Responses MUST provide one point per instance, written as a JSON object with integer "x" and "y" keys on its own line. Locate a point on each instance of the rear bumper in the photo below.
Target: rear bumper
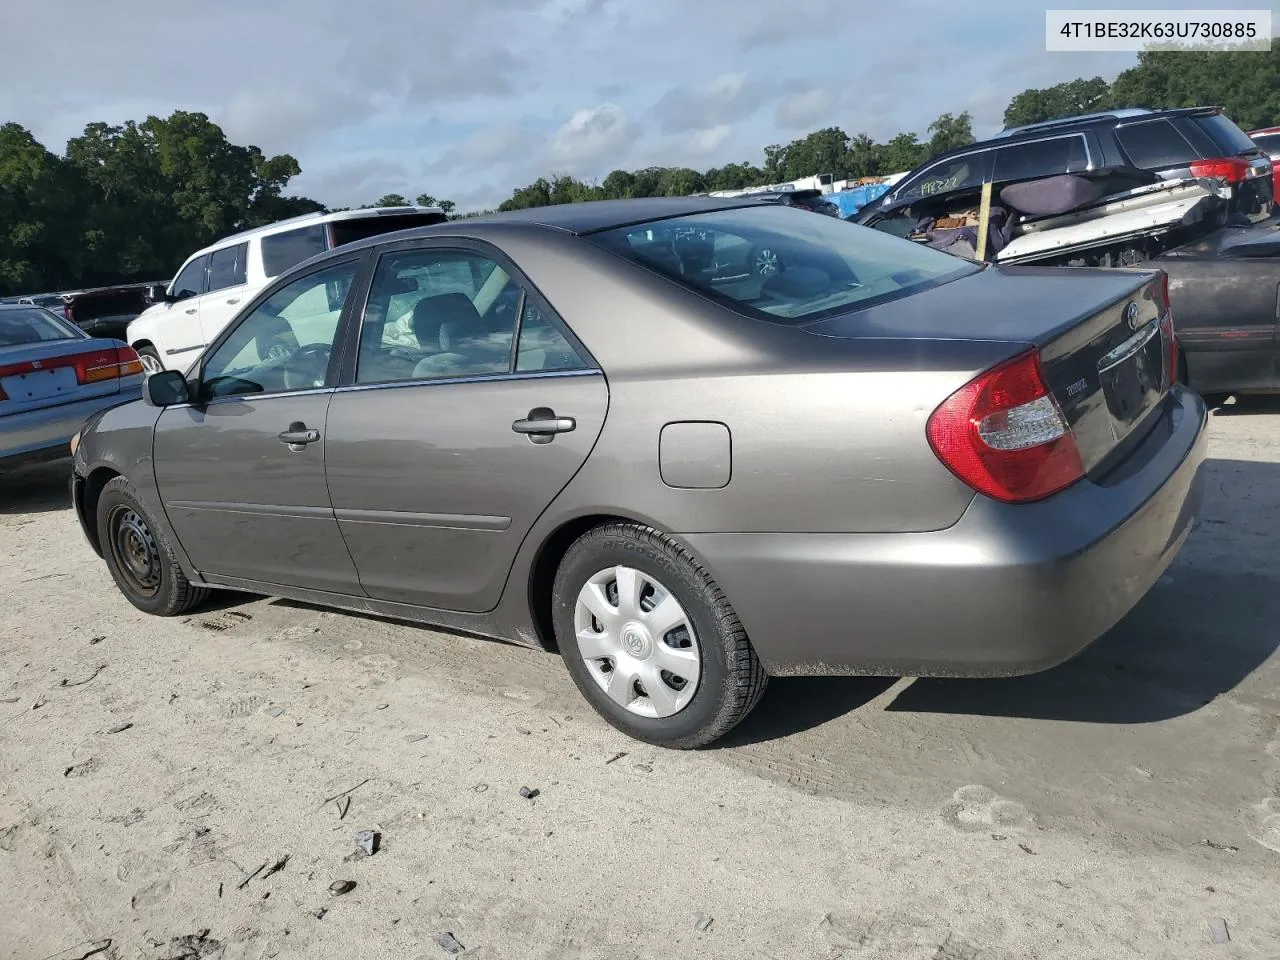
{"x": 45, "y": 433}
{"x": 1007, "y": 590}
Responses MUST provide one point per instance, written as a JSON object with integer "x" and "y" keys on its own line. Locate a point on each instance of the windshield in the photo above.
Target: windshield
{"x": 18, "y": 327}
{"x": 783, "y": 264}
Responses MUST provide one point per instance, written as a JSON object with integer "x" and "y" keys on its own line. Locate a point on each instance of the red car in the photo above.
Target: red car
{"x": 1268, "y": 138}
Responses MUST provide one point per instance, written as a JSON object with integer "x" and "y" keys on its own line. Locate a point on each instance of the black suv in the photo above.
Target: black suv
{"x": 1172, "y": 144}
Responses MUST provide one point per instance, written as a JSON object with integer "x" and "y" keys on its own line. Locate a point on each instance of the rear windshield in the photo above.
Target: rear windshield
{"x": 783, "y": 264}
{"x": 280, "y": 251}
{"x": 1230, "y": 138}
{"x": 18, "y": 327}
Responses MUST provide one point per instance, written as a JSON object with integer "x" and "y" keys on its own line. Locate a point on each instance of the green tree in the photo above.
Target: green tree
{"x": 903, "y": 152}
{"x": 1245, "y": 84}
{"x": 948, "y": 132}
{"x": 394, "y": 200}
{"x": 1062, "y": 100}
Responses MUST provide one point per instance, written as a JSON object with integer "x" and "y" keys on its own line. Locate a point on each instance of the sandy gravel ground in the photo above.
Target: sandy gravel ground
{"x": 1126, "y": 805}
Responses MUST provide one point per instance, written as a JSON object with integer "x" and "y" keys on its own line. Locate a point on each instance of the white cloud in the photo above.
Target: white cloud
{"x": 487, "y": 147}
{"x": 592, "y": 136}
{"x": 803, "y": 111}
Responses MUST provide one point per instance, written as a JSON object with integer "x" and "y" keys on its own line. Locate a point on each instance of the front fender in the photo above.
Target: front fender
{"x": 120, "y": 443}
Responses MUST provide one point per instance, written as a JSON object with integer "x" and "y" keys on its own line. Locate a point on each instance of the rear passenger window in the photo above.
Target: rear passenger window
{"x": 227, "y": 268}
{"x": 280, "y": 251}
{"x": 543, "y": 346}
{"x": 1155, "y": 144}
{"x": 437, "y": 314}
{"x": 1041, "y": 158}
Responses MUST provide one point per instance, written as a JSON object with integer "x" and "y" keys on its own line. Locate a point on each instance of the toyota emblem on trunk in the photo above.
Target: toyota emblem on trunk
{"x": 1131, "y": 315}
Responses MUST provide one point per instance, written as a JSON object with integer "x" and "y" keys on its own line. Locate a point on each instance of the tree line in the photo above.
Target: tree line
{"x": 130, "y": 202}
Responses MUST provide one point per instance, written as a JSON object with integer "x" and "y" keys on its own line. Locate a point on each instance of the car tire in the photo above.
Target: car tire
{"x": 709, "y": 639}
{"x": 150, "y": 359}
{"x": 139, "y": 555}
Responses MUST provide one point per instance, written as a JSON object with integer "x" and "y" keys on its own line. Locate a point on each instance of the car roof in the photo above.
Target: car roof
{"x": 574, "y": 219}
{"x": 1067, "y": 125}
{"x": 593, "y": 216}
{"x": 319, "y": 217}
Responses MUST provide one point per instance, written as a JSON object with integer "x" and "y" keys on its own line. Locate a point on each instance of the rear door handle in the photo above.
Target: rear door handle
{"x": 298, "y": 436}
{"x": 192, "y": 310}
{"x": 234, "y": 300}
{"x": 542, "y": 425}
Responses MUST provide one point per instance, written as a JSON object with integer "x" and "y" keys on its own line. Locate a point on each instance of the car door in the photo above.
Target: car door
{"x": 241, "y": 469}
{"x": 183, "y": 337}
{"x": 226, "y": 289}
{"x": 458, "y": 425}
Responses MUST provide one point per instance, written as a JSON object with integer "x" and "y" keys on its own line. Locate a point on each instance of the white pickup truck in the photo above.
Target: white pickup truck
{"x": 215, "y": 283}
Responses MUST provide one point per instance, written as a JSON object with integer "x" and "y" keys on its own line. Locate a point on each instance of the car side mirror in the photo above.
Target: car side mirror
{"x": 166, "y": 388}
{"x": 157, "y": 293}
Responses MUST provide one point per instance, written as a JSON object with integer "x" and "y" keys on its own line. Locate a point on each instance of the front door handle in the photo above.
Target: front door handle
{"x": 542, "y": 425}
{"x": 298, "y": 436}
{"x": 234, "y": 300}
{"x": 189, "y": 312}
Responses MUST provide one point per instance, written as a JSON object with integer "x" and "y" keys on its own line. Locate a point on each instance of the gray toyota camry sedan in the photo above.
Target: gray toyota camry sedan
{"x": 604, "y": 429}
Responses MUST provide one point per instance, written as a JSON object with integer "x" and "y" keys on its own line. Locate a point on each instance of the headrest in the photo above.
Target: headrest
{"x": 440, "y": 321}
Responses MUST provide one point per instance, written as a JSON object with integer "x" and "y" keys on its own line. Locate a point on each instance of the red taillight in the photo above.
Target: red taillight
{"x": 66, "y": 312}
{"x": 1230, "y": 169}
{"x": 1004, "y": 434}
{"x": 109, "y": 363}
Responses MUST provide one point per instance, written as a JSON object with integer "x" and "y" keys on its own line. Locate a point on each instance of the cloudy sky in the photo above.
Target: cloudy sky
{"x": 467, "y": 99}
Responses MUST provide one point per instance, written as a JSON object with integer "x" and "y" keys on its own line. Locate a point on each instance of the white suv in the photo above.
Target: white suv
{"x": 216, "y": 282}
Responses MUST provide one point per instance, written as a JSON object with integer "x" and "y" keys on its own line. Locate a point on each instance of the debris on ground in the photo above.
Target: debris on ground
{"x": 617, "y": 756}
{"x": 366, "y": 845}
{"x": 80, "y": 683}
{"x": 344, "y": 793}
{"x": 9, "y": 699}
{"x": 194, "y": 946}
{"x": 277, "y": 866}
{"x": 343, "y": 805}
{"x": 704, "y": 923}
{"x": 275, "y": 711}
{"x": 644, "y": 768}
{"x": 383, "y": 706}
{"x": 998, "y": 836}
{"x": 1218, "y": 930}
{"x": 415, "y": 738}
{"x": 120, "y": 728}
{"x": 1224, "y": 847}
{"x": 339, "y": 887}
{"x": 319, "y": 912}
{"x": 529, "y": 794}
{"x": 39, "y": 702}
{"x": 245, "y": 882}
{"x": 480, "y": 787}
{"x": 1025, "y": 849}
{"x": 77, "y": 769}
{"x": 449, "y": 943}
{"x": 524, "y": 730}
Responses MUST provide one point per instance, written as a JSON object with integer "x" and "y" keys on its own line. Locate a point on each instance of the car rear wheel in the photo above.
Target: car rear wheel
{"x": 139, "y": 556}
{"x": 150, "y": 360}
{"x": 651, "y": 640}
{"x": 765, "y": 262}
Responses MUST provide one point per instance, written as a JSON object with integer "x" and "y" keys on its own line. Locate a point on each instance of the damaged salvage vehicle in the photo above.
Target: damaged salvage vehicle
{"x": 1185, "y": 191}
{"x": 574, "y": 429}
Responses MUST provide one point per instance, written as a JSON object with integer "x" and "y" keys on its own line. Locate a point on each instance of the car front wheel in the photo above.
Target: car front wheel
{"x": 139, "y": 556}
{"x": 150, "y": 360}
{"x": 650, "y": 639}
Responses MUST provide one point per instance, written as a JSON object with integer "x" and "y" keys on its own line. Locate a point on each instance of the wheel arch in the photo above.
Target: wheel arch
{"x": 546, "y": 561}
{"x": 91, "y": 492}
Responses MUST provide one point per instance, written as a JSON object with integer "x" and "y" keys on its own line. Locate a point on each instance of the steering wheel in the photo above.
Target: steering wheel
{"x": 306, "y": 367}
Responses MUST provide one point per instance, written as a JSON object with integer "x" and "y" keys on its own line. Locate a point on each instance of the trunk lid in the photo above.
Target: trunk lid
{"x": 38, "y": 375}
{"x": 1103, "y": 335}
